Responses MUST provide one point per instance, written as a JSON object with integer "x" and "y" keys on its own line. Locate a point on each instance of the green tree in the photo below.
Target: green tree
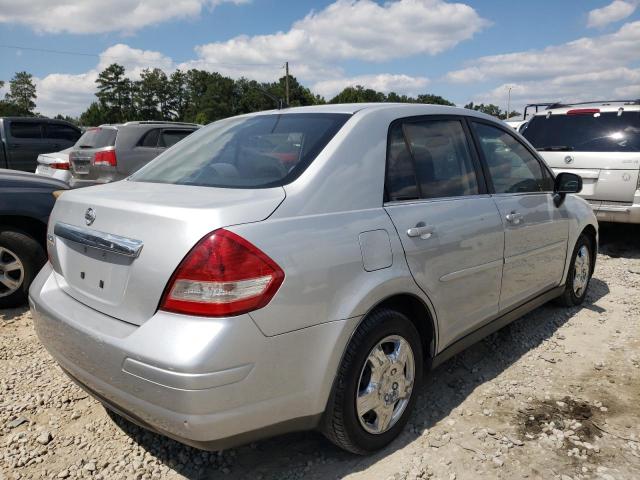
{"x": 433, "y": 99}
{"x": 178, "y": 95}
{"x": 93, "y": 116}
{"x": 490, "y": 109}
{"x": 22, "y": 93}
{"x": 114, "y": 93}
{"x": 358, "y": 94}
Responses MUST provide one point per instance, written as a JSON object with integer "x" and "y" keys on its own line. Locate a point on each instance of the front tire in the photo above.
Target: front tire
{"x": 21, "y": 258}
{"x": 376, "y": 386}
{"x": 579, "y": 275}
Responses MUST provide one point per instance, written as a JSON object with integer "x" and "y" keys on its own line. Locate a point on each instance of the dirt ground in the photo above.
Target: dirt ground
{"x": 555, "y": 395}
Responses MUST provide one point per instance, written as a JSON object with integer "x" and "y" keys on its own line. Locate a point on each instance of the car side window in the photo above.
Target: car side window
{"x": 150, "y": 139}
{"x": 512, "y": 167}
{"x": 26, "y": 130}
{"x": 170, "y": 137}
{"x": 444, "y": 167}
{"x": 400, "y": 183}
{"x": 62, "y": 132}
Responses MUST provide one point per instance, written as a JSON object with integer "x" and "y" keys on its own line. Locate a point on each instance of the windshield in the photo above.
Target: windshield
{"x": 248, "y": 152}
{"x": 97, "y": 138}
{"x": 600, "y": 132}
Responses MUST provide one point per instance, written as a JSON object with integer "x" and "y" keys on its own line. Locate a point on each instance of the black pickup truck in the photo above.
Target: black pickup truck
{"x": 22, "y": 139}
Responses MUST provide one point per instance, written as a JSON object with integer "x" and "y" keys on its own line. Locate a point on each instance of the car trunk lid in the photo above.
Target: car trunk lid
{"x": 90, "y": 226}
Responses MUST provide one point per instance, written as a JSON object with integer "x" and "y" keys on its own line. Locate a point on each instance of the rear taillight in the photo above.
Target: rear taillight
{"x": 60, "y": 165}
{"x": 106, "y": 158}
{"x": 223, "y": 275}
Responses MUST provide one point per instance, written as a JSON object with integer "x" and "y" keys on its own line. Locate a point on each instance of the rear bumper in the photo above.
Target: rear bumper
{"x": 617, "y": 212}
{"x": 210, "y": 383}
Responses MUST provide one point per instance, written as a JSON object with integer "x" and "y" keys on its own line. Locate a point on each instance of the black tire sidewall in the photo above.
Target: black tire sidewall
{"x": 32, "y": 257}
{"x": 390, "y": 323}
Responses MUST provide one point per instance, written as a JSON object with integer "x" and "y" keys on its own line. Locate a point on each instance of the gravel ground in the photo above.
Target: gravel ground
{"x": 554, "y": 395}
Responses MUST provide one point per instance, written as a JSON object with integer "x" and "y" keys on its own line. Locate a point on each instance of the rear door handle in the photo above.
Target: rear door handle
{"x": 422, "y": 231}
{"x": 514, "y": 217}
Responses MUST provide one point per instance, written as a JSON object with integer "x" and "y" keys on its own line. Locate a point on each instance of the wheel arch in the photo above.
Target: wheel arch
{"x": 591, "y": 233}
{"x": 29, "y": 225}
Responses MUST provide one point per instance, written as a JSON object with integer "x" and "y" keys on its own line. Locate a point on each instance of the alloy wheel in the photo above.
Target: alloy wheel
{"x": 581, "y": 271}
{"x": 385, "y": 385}
{"x": 11, "y": 272}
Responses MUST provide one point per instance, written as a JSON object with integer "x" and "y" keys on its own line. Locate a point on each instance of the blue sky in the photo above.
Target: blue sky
{"x": 470, "y": 50}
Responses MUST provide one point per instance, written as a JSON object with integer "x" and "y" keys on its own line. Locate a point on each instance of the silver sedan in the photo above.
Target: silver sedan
{"x": 303, "y": 268}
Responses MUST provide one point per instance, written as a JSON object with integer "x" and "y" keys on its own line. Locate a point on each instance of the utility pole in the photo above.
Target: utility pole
{"x": 286, "y": 82}
{"x": 509, "y": 103}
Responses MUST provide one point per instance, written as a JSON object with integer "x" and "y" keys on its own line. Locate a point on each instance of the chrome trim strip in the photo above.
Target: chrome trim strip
{"x": 108, "y": 242}
{"x": 612, "y": 208}
{"x": 471, "y": 270}
{"x": 546, "y": 248}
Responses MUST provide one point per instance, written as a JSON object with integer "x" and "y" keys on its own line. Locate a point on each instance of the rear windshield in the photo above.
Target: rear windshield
{"x": 251, "y": 152}
{"x": 97, "y": 138}
{"x": 600, "y": 132}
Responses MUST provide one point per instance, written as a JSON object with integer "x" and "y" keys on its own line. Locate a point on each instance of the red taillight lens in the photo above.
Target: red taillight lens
{"x": 106, "y": 158}
{"x": 60, "y": 165}
{"x": 583, "y": 111}
{"x": 223, "y": 275}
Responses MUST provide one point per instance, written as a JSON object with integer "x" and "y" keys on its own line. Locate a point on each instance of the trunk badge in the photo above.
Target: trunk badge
{"x": 568, "y": 159}
{"x": 89, "y": 216}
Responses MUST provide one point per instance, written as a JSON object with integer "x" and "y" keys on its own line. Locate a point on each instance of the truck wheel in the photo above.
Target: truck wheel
{"x": 376, "y": 385}
{"x": 21, "y": 258}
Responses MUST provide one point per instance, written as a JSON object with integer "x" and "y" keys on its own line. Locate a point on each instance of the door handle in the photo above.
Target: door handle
{"x": 422, "y": 231}
{"x": 514, "y": 217}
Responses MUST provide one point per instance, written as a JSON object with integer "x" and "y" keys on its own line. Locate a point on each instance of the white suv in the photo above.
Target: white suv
{"x": 600, "y": 141}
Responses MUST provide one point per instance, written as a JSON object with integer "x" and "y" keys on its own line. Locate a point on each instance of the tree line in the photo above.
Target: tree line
{"x": 196, "y": 96}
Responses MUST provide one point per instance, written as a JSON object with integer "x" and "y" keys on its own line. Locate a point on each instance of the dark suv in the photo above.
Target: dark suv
{"x": 112, "y": 152}
{"x": 22, "y": 139}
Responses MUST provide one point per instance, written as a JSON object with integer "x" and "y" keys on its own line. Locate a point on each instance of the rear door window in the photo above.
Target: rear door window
{"x": 62, "y": 132}
{"x": 593, "y": 132}
{"x": 429, "y": 159}
{"x": 97, "y": 138}
{"x": 26, "y": 130}
{"x": 168, "y": 138}
{"x": 512, "y": 167}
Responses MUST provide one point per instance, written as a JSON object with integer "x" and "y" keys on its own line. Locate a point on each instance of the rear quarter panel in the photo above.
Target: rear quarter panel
{"x": 325, "y": 279}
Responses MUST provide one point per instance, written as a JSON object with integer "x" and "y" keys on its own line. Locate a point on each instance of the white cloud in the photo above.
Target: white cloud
{"x": 133, "y": 59}
{"x": 604, "y": 85}
{"x": 99, "y": 16}
{"x": 315, "y": 45}
{"x": 584, "y": 69}
{"x": 614, "y": 12}
{"x": 582, "y": 55}
{"x": 71, "y": 94}
{"x": 345, "y": 30}
{"x": 384, "y": 82}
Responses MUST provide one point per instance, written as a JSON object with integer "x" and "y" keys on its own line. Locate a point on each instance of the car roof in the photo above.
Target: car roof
{"x": 603, "y": 106}
{"x": 402, "y": 109}
{"x": 39, "y": 119}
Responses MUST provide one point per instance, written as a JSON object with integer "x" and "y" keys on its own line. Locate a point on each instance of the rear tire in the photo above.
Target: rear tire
{"x": 21, "y": 258}
{"x": 579, "y": 276}
{"x": 382, "y": 368}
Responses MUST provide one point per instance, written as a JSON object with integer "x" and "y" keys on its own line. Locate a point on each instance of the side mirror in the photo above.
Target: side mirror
{"x": 566, "y": 183}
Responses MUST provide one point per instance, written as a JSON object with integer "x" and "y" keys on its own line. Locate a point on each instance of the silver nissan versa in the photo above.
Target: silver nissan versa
{"x": 302, "y": 268}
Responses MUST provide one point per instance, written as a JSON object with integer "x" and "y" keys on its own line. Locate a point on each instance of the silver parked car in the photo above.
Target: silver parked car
{"x": 301, "y": 268}
{"x": 112, "y": 152}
